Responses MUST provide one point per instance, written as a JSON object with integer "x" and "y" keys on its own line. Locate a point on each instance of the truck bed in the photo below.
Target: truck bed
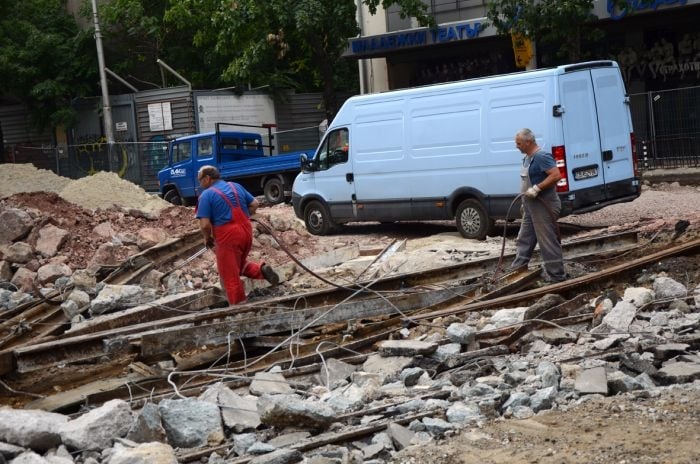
{"x": 260, "y": 165}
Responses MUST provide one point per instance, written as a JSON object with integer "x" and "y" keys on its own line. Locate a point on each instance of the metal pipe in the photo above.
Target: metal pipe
{"x": 114, "y": 75}
{"x": 163, "y": 65}
{"x": 106, "y": 109}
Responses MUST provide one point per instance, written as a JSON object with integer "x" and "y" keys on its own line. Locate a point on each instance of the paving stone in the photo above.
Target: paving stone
{"x": 680, "y": 372}
{"x": 591, "y": 381}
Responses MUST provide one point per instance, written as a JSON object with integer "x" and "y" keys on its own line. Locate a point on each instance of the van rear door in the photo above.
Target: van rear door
{"x": 582, "y": 137}
{"x": 615, "y": 129}
{"x": 597, "y": 127}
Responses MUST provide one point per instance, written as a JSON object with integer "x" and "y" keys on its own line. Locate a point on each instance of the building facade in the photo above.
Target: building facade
{"x": 657, "y": 45}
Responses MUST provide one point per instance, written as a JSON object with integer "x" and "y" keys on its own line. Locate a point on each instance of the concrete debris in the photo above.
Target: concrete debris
{"x": 98, "y": 428}
{"x": 270, "y": 383}
{"x": 290, "y": 410}
{"x": 38, "y": 430}
{"x": 190, "y": 423}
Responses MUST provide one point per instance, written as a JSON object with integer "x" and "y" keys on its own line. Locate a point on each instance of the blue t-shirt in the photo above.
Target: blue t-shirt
{"x": 540, "y": 162}
{"x": 211, "y": 205}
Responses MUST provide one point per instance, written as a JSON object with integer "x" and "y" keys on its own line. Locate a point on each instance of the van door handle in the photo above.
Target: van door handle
{"x": 350, "y": 177}
{"x": 607, "y": 155}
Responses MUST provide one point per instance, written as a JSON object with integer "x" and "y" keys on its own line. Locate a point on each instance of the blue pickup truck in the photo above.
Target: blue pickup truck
{"x": 240, "y": 157}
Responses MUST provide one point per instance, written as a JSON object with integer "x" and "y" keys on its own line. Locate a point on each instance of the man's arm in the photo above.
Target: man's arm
{"x": 553, "y": 176}
{"x": 253, "y": 206}
{"x": 207, "y": 232}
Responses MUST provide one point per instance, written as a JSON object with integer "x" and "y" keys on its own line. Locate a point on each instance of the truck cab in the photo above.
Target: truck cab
{"x": 239, "y": 156}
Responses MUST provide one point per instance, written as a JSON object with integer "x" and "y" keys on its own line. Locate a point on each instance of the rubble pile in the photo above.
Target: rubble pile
{"x": 433, "y": 381}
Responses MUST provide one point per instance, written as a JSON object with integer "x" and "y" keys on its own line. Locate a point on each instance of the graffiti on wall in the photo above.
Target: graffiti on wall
{"x": 663, "y": 60}
{"x": 91, "y": 154}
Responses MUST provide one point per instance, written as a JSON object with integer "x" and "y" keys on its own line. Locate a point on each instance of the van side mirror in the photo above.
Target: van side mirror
{"x": 306, "y": 163}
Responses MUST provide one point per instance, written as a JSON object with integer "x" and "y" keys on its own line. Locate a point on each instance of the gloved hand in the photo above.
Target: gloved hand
{"x": 533, "y": 191}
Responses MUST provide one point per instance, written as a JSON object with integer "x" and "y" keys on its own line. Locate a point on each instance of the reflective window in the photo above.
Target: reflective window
{"x": 334, "y": 149}
{"x": 182, "y": 151}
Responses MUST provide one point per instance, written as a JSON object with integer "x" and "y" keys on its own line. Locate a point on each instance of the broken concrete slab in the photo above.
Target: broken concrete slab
{"x": 592, "y": 381}
{"x": 272, "y": 383}
{"x": 190, "y": 423}
{"x": 389, "y": 368}
{"x": 282, "y": 456}
{"x": 400, "y": 435}
{"x": 406, "y": 348}
{"x": 290, "y": 410}
{"x": 334, "y": 373}
{"x": 97, "y": 429}
{"x": 238, "y": 412}
{"x": 679, "y": 372}
{"x": 147, "y": 427}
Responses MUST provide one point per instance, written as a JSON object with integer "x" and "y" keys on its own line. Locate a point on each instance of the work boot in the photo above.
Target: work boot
{"x": 270, "y": 274}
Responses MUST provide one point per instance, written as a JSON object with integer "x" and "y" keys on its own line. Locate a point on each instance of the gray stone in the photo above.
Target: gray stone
{"x": 543, "y": 398}
{"x": 30, "y": 428}
{"x": 679, "y": 372}
{"x": 19, "y": 253}
{"x": 113, "y": 297}
{"x": 17, "y": 299}
{"x": 243, "y": 441}
{"x": 29, "y": 457}
{"x": 272, "y": 383}
{"x": 415, "y": 404}
{"x": 98, "y": 428}
{"x": 638, "y": 296}
{"x": 504, "y": 317}
{"x": 445, "y": 352}
{"x": 646, "y": 382}
{"x": 70, "y": 309}
{"x": 400, "y": 435}
{"x": 384, "y": 439}
{"x": 238, "y": 412}
{"x": 389, "y": 368}
{"x": 406, "y": 348}
{"x": 288, "y": 439}
{"x": 555, "y": 335}
{"x": 516, "y": 398}
{"x": 549, "y": 373}
{"x": 522, "y": 412}
{"x": 461, "y": 413}
{"x": 16, "y": 224}
{"x": 48, "y": 273}
{"x": 619, "y": 382}
{"x": 50, "y": 240}
{"x": 145, "y": 453}
{"x": 372, "y": 451}
{"x": 190, "y": 423}
{"x": 437, "y": 427}
{"x": 147, "y": 427}
{"x": 665, "y": 287}
{"x": 477, "y": 390}
{"x": 260, "y": 448}
{"x": 669, "y": 350}
{"x": 618, "y": 319}
{"x": 410, "y": 376}
{"x": 334, "y": 373}
{"x": 290, "y": 410}
{"x": 282, "y": 456}
{"x": 5, "y": 270}
{"x": 609, "y": 342}
{"x": 591, "y": 381}
{"x": 79, "y": 297}
{"x": 9, "y": 451}
{"x": 84, "y": 280}
{"x": 461, "y": 333}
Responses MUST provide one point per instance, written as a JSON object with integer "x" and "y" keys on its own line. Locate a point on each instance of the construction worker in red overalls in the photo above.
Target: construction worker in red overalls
{"x": 223, "y": 210}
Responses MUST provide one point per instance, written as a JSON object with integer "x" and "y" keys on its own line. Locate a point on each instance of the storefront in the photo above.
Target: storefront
{"x": 657, "y": 46}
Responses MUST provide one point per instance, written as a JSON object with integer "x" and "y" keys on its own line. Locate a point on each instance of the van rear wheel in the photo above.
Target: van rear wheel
{"x": 274, "y": 191}
{"x": 472, "y": 220}
{"x": 317, "y": 218}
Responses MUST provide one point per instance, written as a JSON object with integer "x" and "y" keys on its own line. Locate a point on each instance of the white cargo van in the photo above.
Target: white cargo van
{"x": 447, "y": 151}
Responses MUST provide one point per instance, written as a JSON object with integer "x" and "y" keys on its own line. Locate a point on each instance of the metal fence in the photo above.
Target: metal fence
{"x": 667, "y": 128}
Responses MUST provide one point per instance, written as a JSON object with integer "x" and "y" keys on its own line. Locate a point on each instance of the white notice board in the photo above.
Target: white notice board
{"x": 245, "y": 109}
{"x": 160, "y": 117}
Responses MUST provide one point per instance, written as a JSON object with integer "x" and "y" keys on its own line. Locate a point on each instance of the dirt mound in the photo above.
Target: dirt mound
{"x": 18, "y": 178}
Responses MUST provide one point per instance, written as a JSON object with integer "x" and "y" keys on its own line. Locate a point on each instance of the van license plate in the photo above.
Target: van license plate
{"x": 585, "y": 173}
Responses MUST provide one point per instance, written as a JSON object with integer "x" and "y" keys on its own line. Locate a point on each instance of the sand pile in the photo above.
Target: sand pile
{"x": 101, "y": 190}
{"x": 18, "y": 178}
{"x": 106, "y": 189}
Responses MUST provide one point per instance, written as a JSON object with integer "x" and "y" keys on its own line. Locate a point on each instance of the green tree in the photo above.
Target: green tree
{"x": 45, "y": 60}
{"x": 281, "y": 43}
{"x": 563, "y": 23}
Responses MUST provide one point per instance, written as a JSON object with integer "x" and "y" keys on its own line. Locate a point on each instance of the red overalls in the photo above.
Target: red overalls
{"x": 233, "y": 242}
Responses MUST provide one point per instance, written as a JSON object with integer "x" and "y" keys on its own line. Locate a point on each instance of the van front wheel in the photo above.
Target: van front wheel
{"x": 317, "y": 218}
{"x": 472, "y": 220}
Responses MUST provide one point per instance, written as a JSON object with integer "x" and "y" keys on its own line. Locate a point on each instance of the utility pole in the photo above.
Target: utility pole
{"x": 106, "y": 109}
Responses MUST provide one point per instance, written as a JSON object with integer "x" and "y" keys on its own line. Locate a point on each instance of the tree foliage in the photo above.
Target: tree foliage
{"x": 563, "y": 23}
{"x": 45, "y": 59}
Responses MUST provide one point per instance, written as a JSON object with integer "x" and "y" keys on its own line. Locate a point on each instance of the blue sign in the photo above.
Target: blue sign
{"x": 420, "y": 37}
{"x": 619, "y": 12}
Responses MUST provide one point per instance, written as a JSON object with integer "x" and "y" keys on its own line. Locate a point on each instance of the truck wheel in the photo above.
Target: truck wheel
{"x": 171, "y": 196}
{"x": 472, "y": 220}
{"x": 274, "y": 191}
{"x": 317, "y": 218}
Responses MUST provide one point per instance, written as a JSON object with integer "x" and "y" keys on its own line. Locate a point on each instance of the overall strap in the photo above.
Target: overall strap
{"x": 222, "y": 195}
